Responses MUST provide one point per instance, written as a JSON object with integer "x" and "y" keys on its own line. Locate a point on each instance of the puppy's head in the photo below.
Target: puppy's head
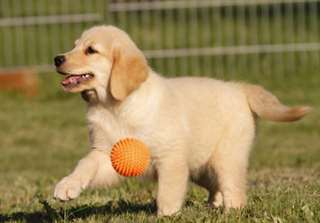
{"x": 104, "y": 59}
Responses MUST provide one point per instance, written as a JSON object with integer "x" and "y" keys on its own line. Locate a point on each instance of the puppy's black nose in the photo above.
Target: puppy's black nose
{"x": 59, "y": 60}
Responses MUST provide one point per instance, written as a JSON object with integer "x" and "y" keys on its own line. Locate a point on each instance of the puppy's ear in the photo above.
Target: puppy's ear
{"x": 129, "y": 70}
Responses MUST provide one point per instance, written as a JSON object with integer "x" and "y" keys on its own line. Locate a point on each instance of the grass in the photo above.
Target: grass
{"x": 42, "y": 139}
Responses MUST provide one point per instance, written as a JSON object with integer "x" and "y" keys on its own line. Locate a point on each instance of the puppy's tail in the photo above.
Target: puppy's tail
{"x": 266, "y": 105}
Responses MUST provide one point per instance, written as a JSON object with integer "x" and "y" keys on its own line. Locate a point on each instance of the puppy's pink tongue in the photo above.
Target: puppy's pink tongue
{"x": 65, "y": 81}
{"x": 71, "y": 80}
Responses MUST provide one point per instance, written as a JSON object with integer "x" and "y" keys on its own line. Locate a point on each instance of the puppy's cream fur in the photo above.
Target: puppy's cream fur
{"x": 197, "y": 129}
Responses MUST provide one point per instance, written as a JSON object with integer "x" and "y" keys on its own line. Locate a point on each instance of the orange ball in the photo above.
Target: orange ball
{"x": 130, "y": 157}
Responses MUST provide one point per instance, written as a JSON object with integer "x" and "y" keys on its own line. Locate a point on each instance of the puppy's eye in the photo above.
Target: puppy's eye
{"x": 90, "y": 50}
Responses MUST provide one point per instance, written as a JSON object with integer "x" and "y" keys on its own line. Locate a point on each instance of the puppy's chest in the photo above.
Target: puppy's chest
{"x": 106, "y": 128}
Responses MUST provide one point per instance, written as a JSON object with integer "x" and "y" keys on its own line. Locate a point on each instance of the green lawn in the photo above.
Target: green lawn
{"x": 41, "y": 139}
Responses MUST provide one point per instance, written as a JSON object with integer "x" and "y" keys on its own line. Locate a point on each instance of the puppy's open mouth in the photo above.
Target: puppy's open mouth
{"x": 73, "y": 80}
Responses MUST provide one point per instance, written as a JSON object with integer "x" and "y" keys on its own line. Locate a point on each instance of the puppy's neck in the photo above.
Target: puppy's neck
{"x": 90, "y": 96}
{"x": 99, "y": 97}
{"x": 143, "y": 100}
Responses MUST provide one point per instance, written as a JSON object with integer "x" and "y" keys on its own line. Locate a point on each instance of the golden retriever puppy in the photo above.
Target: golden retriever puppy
{"x": 197, "y": 129}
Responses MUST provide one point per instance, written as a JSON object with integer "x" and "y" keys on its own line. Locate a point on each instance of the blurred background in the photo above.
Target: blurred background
{"x": 180, "y": 37}
{"x": 275, "y": 43}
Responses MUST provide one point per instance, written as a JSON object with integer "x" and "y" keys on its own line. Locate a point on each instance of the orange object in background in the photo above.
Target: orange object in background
{"x": 130, "y": 157}
{"x": 22, "y": 80}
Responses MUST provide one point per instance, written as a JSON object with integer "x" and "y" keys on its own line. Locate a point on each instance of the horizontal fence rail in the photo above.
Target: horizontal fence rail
{"x": 179, "y": 37}
{"x": 183, "y": 4}
{"x": 48, "y": 20}
{"x": 234, "y": 50}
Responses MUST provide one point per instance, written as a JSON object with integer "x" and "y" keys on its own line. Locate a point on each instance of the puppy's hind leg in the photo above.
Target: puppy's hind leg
{"x": 208, "y": 180}
{"x": 215, "y": 198}
{"x": 230, "y": 161}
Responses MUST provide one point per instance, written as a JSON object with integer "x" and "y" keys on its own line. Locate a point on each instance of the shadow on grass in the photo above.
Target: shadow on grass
{"x": 49, "y": 214}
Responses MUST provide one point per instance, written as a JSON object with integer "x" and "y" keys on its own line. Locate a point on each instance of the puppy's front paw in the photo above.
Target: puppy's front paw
{"x": 68, "y": 188}
{"x": 168, "y": 210}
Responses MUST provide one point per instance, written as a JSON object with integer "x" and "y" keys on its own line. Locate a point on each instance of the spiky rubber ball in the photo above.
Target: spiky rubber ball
{"x": 130, "y": 157}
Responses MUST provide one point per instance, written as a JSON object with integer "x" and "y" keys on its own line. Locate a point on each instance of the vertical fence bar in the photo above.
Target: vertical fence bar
{"x": 7, "y": 36}
{"x": 230, "y": 39}
{"x": 303, "y": 58}
{"x": 109, "y": 13}
{"x": 277, "y": 39}
{"x": 147, "y": 27}
{"x": 255, "y": 61}
{"x": 169, "y": 40}
{"x": 266, "y": 38}
{"x": 314, "y": 9}
{"x": 29, "y": 35}
{"x": 158, "y": 18}
{"x": 2, "y": 43}
{"x": 289, "y": 38}
{"x": 194, "y": 26}
{"x": 148, "y": 39}
{"x": 218, "y": 32}
{"x": 48, "y": 47}
{"x": 36, "y": 32}
{"x": 18, "y": 33}
{"x": 41, "y": 35}
{"x": 53, "y": 34}
{"x": 182, "y": 39}
{"x": 65, "y": 30}
{"x": 137, "y": 28}
{"x": 78, "y": 28}
{"x": 242, "y": 30}
{"x": 124, "y": 22}
{"x": 88, "y": 9}
{"x": 206, "y": 63}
